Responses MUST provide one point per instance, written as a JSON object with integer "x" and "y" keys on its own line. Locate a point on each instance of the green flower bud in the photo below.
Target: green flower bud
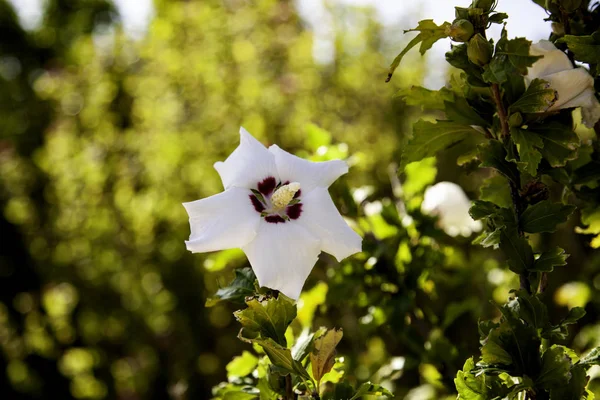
{"x": 461, "y": 12}
{"x": 515, "y": 119}
{"x": 479, "y": 50}
{"x": 461, "y": 30}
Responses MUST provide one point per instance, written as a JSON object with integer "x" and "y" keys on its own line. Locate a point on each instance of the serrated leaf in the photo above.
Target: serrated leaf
{"x": 371, "y": 389}
{"x": 585, "y": 48}
{"x": 429, "y": 33}
{"x": 560, "y": 142}
{"x": 279, "y": 355}
{"x": 591, "y": 358}
{"x": 429, "y": 138}
{"x": 544, "y": 216}
{"x": 481, "y": 387}
{"x": 528, "y": 145}
{"x": 538, "y": 98}
{"x": 493, "y": 155}
{"x": 267, "y": 318}
{"x": 459, "y": 110}
{"x": 550, "y": 259}
{"x": 511, "y": 58}
{"x": 492, "y": 352}
{"x": 556, "y": 368}
{"x": 322, "y": 357}
{"x": 427, "y": 99}
{"x": 237, "y": 290}
{"x": 482, "y": 209}
{"x": 517, "y": 250}
{"x": 497, "y": 18}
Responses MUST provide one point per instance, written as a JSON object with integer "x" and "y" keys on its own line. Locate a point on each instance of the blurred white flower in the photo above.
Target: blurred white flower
{"x": 575, "y": 86}
{"x": 277, "y": 209}
{"x": 450, "y": 204}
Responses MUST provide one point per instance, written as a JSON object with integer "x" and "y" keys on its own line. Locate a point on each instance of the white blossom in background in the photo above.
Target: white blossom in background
{"x": 450, "y": 204}
{"x": 277, "y": 209}
{"x": 575, "y": 86}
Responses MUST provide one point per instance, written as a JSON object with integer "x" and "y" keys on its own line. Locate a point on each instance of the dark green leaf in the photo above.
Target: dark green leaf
{"x": 538, "y": 98}
{"x": 429, "y": 138}
{"x": 267, "y": 318}
{"x": 429, "y": 33}
{"x": 493, "y": 155}
{"x": 560, "y": 142}
{"x": 497, "y": 18}
{"x": 544, "y": 216}
{"x": 482, "y": 209}
{"x": 487, "y": 239}
{"x": 575, "y": 388}
{"x": 585, "y": 48}
{"x": 517, "y": 51}
{"x": 517, "y": 250}
{"x": 528, "y": 145}
{"x": 461, "y": 112}
{"x": 427, "y": 99}
{"x": 574, "y": 315}
{"x": 556, "y": 368}
{"x": 241, "y": 287}
{"x": 371, "y": 389}
{"x": 481, "y": 387}
{"x": 530, "y": 309}
{"x": 550, "y": 259}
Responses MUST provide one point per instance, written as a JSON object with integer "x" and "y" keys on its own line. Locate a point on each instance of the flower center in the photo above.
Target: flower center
{"x": 284, "y": 195}
{"x": 277, "y": 202}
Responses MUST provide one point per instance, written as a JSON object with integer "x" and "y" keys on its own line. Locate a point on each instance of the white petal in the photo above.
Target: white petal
{"x": 309, "y": 174}
{"x": 591, "y": 112}
{"x": 321, "y": 217}
{"x": 249, "y": 164}
{"x": 569, "y": 85}
{"x": 449, "y": 202}
{"x": 282, "y": 256}
{"x": 224, "y": 221}
{"x": 554, "y": 60}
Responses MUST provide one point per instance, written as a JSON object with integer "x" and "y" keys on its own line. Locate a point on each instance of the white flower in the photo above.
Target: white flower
{"x": 277, "y": 209}
{"x": 575, "y": 86}
{"x": 448, "y": 201}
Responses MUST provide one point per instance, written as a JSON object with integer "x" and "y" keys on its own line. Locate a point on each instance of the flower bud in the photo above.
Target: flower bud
{"x": 515, "y": 119}
{"x": 461, "y": 30}
{"x": 479, "y": 50}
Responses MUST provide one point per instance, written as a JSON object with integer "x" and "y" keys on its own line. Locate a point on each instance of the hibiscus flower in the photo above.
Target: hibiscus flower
{"x": 277, "y": 209}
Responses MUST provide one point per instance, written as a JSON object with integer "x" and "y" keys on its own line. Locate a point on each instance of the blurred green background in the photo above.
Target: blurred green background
{"x": 103, "y": 136}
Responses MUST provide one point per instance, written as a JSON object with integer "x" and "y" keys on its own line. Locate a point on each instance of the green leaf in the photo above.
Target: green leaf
{"x": 591, "y": 358}
{"x": 544, "y": 216}
{"x": 429, "y": 138}
{"x": 550, "y": 259}
{"x": 575, "y": 388}
{"x": 585, "y": 48}
{"x": 511, "y": 58}
{"x": 493, "y": 155}
{"x": 242, "y": 365}
{"x": 497, "y": 18}
{"x": 482, "y": 209}
{"x": 429, "y": 33}
{"x": 530, "y": 309}
{"x": 487, "y": 239}
{"x": 461, "y": 112}
{"x": 538, "y": 98}
{"x": 371, "y": 389}
{"x": 574, "y": 315}
{"x": 241, "y": 287}
{"x": 427, "y": 99}
{"x": 279, "y": 355}
{"x": 267, "y": 318}
{"x": 528, "y": 145}
{"x": 496, "y": 190}
{"x": 492, "y": 351}
{"x": 517, "y": 250}
{"x": 560, "y": 142}
{"x": 303, "y": 345}
{"x": 322, "y": 357}
{"x": 556, "y": 368}
{"x": 481, "y": 387}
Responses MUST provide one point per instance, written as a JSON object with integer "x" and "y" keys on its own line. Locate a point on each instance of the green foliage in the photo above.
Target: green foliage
{"x": 538, "y": 98}
{"x": 429, "y": 33}
{"x": 237, "y": 290}
{"x": 544, "y": 216}
{"x": 585, "y": 48}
